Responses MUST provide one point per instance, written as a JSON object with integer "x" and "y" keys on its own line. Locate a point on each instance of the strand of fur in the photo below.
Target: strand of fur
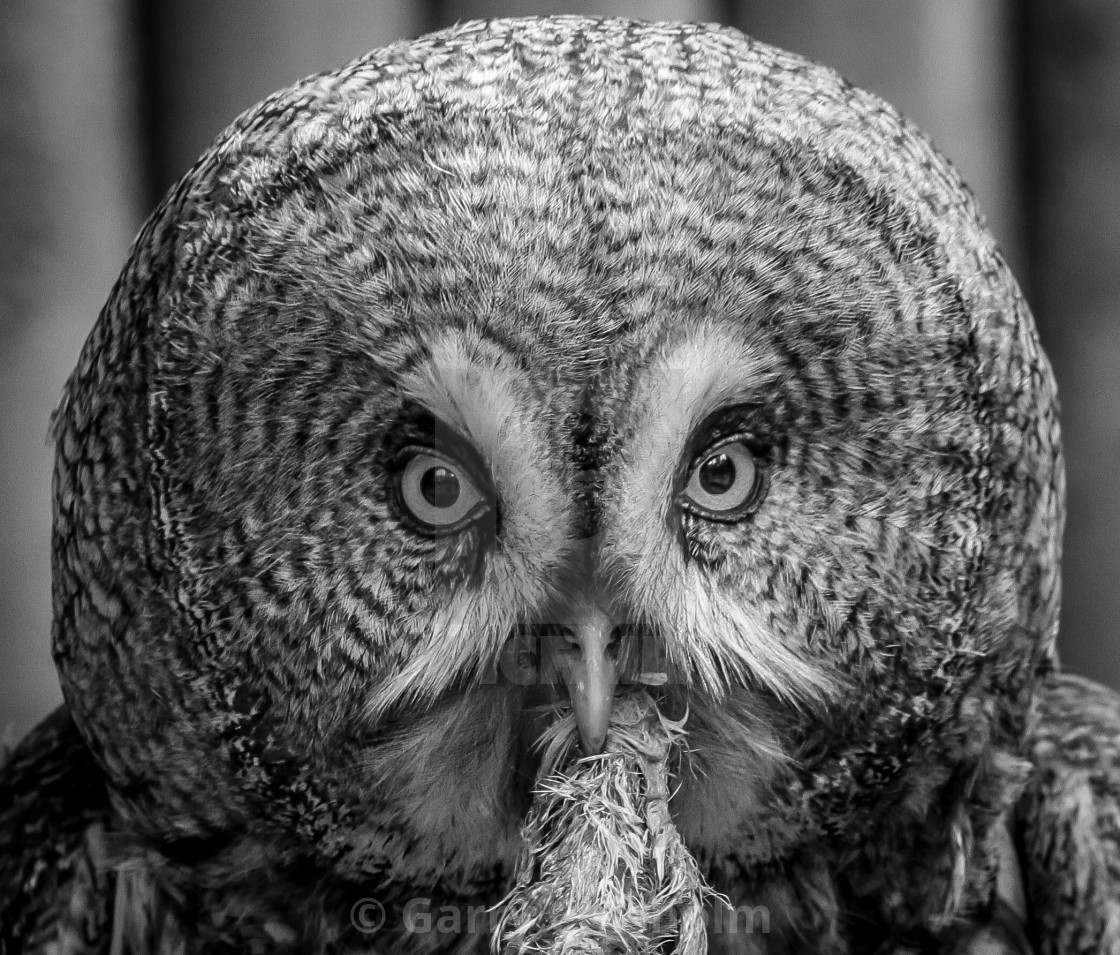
{"x": 603, "y": 868}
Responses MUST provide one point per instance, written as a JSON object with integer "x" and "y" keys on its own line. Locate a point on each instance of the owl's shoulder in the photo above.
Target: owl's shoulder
{"x": 54, "y": 884}
{"x": 1070, "y": 818}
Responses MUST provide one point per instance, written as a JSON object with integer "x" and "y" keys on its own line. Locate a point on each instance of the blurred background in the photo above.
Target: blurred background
{"x": 104, "y": 103}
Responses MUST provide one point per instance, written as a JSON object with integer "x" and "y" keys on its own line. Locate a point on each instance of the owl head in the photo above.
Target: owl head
{"x": 524, "y": 362}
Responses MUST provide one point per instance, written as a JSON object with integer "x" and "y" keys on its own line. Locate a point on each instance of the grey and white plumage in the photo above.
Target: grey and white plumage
{"x": 571, "y": 255}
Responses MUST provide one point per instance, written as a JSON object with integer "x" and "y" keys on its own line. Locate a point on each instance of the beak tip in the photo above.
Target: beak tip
{"x": 592, "y": 745}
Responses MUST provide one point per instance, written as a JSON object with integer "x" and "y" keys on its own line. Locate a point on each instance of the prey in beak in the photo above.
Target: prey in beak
{"x": 602, "y": 867}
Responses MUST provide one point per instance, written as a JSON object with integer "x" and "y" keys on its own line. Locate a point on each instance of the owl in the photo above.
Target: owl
{"x": 498, "y": 376}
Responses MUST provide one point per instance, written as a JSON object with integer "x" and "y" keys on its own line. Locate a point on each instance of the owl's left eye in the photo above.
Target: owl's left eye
{"x": 438, "y": 493}
{"x": 725, "y": 483}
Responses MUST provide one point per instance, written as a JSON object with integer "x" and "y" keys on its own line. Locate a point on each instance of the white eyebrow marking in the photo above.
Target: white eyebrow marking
{"x": 474, "y": 387}
{"x": 711, "y": 370}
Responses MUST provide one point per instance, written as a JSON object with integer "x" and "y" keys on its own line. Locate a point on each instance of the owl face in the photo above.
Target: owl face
{"x": 452, "y": 400}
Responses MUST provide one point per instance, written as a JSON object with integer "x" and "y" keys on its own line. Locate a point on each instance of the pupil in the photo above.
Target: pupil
{"x": 440, "y": 487}
{"x": 717, "y": 474}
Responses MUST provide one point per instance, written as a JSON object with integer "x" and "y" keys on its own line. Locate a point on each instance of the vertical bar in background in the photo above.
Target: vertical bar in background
{"x": 71, "y": 205}
{"x": 1071, "y": 75}
{"x": 208, "y": 60}
{"x": 446, "y": 12}
{"x": 701, "y": 11}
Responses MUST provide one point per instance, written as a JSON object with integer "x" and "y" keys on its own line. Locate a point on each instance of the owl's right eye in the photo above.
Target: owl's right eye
{"x": 438, "y": 493}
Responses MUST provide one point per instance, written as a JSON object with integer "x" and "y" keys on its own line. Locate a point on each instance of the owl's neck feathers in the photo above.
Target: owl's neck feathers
{"x": 924, "y": 859}
{"x": 251, "y": 891}
{"x": 928, "y": 859}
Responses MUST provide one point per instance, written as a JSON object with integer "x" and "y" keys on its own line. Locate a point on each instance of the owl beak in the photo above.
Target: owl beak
{"x": 586, "y": 659}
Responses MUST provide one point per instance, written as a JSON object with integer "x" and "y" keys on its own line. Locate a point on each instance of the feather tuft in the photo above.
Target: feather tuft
{"x": 603, "y": 868}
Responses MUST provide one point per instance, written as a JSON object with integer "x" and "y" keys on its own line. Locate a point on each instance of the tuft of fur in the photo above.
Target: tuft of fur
{"x": 603, "y": 868}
